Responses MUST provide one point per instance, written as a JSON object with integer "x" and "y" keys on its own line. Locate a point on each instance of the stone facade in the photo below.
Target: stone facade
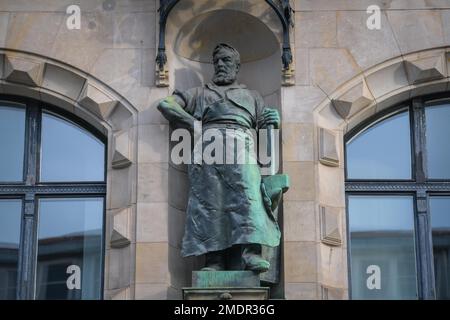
{"x": 105, "y": 73}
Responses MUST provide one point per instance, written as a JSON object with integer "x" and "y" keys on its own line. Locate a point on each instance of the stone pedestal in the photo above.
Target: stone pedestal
{"x": 225, "y": 285}
{"x": 226, "y": 294}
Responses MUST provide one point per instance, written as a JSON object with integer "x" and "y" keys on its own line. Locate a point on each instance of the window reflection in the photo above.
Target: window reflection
{"x": 382, "y": 151}
{"x": 69, "y": 153}
{"x": 382, "y": 247}
{"x": 437, "y": 133}
{"x": 70, "y": 249}
{"x": 440, "y": 223}
{"x": 12, "y": 142}
{"x": 10, "y": 218}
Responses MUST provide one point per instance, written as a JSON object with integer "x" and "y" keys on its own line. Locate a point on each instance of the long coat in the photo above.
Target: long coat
{"x": 225, "y": 204}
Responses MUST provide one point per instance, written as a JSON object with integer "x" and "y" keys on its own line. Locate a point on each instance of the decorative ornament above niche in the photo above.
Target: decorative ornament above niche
{"x": 283, "y": 11}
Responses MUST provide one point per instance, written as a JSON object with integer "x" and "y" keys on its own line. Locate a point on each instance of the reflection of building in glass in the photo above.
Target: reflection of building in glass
{"x": 9, "y": 256}
{"x": 441, "y": 252}
{"x": 393, "y": 251}
{"x": 55, "y": 255}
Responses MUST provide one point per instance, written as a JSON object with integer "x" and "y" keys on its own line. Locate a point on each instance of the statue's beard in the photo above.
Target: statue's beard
{"x": 222, "y": 79}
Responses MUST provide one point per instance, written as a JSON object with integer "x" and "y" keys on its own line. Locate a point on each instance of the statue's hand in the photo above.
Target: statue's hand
{"x": 168, "y": 102}
{"x": 269, "y": 117}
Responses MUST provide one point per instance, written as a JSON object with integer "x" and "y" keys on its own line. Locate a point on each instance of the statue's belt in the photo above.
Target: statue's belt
{"x": 224, "y": 125}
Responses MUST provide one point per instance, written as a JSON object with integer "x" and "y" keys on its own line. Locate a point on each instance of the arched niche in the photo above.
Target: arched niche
{"x": 194, "y": 28}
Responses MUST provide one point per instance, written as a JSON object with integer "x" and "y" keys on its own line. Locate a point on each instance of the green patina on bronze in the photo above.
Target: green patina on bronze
{"x": 229, "y": 204}
{"x": 272, "y": 188}
{"x": 224, "y": 279}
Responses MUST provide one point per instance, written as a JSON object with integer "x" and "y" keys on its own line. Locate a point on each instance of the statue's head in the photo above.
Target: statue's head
{"x": 227, "y": 62}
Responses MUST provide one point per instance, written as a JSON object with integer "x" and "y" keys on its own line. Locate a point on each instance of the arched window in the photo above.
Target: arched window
{"x": 52, "y": 194}
{"x": 398, "y": 203}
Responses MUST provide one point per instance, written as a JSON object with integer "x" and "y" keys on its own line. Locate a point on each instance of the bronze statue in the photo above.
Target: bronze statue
{"x": 230, "y": 210}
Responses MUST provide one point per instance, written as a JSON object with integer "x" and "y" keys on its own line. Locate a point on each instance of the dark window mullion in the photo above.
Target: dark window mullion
{"x": 28, "y": 263}
{"x": 380, "y": 186}
{"x": 28, "y": 243}
{"x": 32, "y": 143}
{"x": 425, "y": 247}
{"x": 419, "y": 141}
{"x": 94, "y": 188}
{"x": 400, "y": 186}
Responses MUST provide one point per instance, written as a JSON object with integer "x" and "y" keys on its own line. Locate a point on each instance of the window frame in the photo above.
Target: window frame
{"x": 30, "y": 189}
{"x": 416, "y": 240}
{"x": 420, "y": 186}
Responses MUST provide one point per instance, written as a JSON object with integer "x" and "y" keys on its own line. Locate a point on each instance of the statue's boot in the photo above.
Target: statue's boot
{"x": 215, "y": 261}
{"x": 252, "y": 259}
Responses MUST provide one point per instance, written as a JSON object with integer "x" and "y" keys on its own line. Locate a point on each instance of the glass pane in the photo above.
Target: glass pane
{"x": 440, "y": 223}
{"x": 70, "y": 153}
{"x": 382, "y": 151}
{"x": 12, "y": 142}
{"x": 438, "y": 149}
{"x": 10, "y": 218}
{"x": 69, "y": 262}
{"x": 383, "y": 264}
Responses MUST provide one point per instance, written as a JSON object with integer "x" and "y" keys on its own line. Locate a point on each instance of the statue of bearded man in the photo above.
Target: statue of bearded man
{"x": 229, "y": 214}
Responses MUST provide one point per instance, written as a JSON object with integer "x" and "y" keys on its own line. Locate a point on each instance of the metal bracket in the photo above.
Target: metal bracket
{"x": 284, "y": 12}
{"x": 282, "y": 9}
